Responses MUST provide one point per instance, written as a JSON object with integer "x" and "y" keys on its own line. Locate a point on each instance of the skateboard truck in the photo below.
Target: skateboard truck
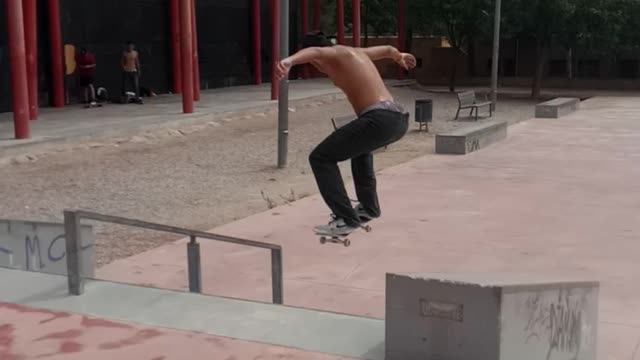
{"x": 341, "y": 239}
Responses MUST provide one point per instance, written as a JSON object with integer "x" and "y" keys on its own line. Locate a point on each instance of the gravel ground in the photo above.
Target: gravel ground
{"x": 205, "y": 176}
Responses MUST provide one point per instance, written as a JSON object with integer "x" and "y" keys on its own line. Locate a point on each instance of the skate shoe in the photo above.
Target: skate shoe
{"x": 363, "y": 214}
{"x": 336, "y": 227}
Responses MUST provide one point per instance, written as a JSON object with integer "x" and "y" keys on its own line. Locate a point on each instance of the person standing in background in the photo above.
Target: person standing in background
{"x": 86, "y": 63}
{"x": 131, "y": 71}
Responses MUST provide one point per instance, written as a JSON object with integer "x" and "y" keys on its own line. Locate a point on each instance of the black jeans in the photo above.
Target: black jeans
{"x": 132, "y": 78}
{"x": 356, "y": 141}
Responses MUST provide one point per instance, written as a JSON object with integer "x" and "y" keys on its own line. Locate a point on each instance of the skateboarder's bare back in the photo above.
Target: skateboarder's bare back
{"x": 380, "y": 122}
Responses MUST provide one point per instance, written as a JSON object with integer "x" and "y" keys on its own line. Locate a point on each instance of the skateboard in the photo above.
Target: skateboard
{"x": 341, "y": 239}
{"x": 89, "y": 106}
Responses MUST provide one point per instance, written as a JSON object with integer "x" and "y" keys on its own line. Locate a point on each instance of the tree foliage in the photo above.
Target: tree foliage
{"x": 596, "y": 26}
{"x": 603, "y": 27}
{"x": 460, "y": 21}
{"x": 378, "y": 17}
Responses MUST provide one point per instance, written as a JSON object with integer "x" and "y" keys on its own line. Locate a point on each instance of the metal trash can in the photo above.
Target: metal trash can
{"x": 424, "y": 113}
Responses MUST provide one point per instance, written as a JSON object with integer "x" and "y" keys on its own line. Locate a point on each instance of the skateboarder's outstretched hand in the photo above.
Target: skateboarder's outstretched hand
{"x": 282, "y": 69}
{"x": 407, "y": 61}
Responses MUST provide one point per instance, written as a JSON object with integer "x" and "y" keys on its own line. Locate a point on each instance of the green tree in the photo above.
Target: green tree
{"x": 459, "y": 20}
{"x": 629, "y": 13}
{"x": 595, "y": 26}
{"x": 602, "y": 27}
{"x": 543, "y": 20}
{"x": 377, "y": 17}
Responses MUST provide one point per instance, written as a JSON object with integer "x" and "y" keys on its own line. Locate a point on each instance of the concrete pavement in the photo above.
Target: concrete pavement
{"x": 558, "y": 197}
{"x": 73, "y": 124}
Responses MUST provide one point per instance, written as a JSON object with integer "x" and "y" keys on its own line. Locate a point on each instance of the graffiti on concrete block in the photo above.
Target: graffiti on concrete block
{"x": 38, "y": 246}
{"x": 473, "y": 145}
{"x": 559, "y": 322}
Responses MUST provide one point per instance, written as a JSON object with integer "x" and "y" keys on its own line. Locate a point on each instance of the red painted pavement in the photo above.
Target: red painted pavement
{"x": 28, "y": 333}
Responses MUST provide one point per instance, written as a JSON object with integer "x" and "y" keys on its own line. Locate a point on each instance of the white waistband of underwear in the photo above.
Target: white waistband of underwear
{"x": 383, "y": 105}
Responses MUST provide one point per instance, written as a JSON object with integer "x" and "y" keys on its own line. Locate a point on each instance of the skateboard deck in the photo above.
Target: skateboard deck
{"x": 341, "y": 239}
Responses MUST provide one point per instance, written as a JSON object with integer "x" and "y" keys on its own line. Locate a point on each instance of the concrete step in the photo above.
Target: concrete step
{"x": 305, "y": 329}
{"x": 557, "y": 108}
{"x": 471, "y": 138}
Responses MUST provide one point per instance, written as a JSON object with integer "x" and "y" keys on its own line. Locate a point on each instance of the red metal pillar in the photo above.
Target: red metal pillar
{"x": 186, "y": 44}
{"x": 401, "y": 34}
{"x": 174, "y": 16}
{"x": 356, "y": 23}
{"x": 257, "y": 43}
{"x": 275, "y": 46}
{"x": 305, "y": 28}
{"x": 196, "y": 63}
{"x": 340, "y": 20}
{"x": 17, "y": 60}
{"x": 31, "y": 46}
{"x": 55, "y": 41}
{"x": 316, "y": 16}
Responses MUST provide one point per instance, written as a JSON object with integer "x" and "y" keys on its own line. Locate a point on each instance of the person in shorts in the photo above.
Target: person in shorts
{"x": 86, "y": 63}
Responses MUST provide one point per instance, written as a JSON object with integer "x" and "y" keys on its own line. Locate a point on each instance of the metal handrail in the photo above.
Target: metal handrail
{"x": 72, "y": 219}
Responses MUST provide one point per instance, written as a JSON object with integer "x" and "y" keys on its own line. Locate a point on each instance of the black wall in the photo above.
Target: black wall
{"x": 104, "y": 27}
{"x": 224, "y": 42}
{"x": 43, "y": 63}
{"x": 294, "y": 38}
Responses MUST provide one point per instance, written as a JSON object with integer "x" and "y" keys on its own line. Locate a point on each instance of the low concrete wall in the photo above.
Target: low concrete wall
{"x": 557, "y": 108}
{"x": 489, "y": 317}
{"x": 471, "y": 138}
{"x": 40, "y": 246}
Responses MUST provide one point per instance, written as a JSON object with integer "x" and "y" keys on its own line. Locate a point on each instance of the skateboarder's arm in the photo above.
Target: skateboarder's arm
{"x": 312, "y": 53}
{"x": 405, "y": 60}
{"x": 302, "y": 57}
{"x": 383, "y": 52}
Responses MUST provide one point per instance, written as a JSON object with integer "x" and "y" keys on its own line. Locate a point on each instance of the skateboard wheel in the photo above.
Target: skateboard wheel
{"x": 323, "y": 240}
{"x": 347, "y": 242}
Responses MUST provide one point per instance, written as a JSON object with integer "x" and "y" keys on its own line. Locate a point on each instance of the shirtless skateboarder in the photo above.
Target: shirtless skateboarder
{"x": 380, "y": 122}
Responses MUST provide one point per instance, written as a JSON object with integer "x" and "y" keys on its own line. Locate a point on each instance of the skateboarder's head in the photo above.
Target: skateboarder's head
{"x": 315, "y": 39}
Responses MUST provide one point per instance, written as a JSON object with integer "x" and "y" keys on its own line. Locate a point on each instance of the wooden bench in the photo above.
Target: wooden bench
{"x": 468, "y": 100}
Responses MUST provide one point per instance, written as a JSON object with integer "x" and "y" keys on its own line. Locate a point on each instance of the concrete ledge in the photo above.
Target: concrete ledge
{"x": 305, "y": 329}
{"x": 556, "y": 108}
{"x": 471, "y": 138}
{"x": 490, "y": 317}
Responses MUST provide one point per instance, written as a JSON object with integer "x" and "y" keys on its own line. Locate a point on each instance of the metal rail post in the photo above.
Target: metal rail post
{"x": 283, "y": 93}
{"x": 73, "y": 240}
{"x": 276, "y": 275}
{"x": 496, "y": 55}
{"x": 195, "y": 269}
